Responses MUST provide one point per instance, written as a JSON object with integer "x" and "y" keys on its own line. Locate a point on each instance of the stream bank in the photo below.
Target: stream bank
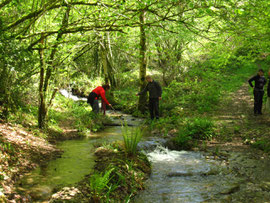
{"x": 117, "y": 177}
{"x": 64, "y": 176}
{"x": 20, "y": 152}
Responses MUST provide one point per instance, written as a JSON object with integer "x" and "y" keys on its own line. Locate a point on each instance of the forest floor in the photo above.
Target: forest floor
{"x": 20, "y": 152}
{"x": 238, "y": 130}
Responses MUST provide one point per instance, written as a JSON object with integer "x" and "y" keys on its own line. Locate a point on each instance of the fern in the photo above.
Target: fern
{"x": 99, "y": 183}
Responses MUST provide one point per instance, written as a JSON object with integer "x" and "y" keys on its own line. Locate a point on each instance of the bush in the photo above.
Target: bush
{"x": 182, "y": 141}
{"x": 262, "y": 144}
{"x": 164, "y": 124}
{"x": 198, "y": 128}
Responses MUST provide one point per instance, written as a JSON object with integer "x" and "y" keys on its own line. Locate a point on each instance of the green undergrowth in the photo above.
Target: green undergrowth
{"x": 117, "y": 176}
{"x": 200, "y": 91}
{"x": 262, "y": 144}
{"x": 65, "y": 113}
{"x": 75, "y": 114}
{"x": 125, "y": 99}
{"x": 131, "y": 139}
{"x": 194, "y": 129}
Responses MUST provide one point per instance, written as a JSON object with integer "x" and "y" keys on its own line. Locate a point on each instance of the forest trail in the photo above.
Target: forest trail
{"x": 239, "y": 128}
{"x": 237, "y": 122}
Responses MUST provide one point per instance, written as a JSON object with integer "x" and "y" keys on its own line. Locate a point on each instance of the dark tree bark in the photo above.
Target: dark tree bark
{"x": 42, "y": 105}
{"x": 143, "y": 63}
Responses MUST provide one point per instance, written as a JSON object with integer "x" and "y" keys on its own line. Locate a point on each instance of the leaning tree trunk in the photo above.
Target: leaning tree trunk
{"x": 45, "y": 78}
{"x": 143, "y": 63}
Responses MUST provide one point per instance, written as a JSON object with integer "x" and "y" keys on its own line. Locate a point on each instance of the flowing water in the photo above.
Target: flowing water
{"x": 76, "y": 161}
{"x": 185, "y": 176}
{"x": 177, "y": 176}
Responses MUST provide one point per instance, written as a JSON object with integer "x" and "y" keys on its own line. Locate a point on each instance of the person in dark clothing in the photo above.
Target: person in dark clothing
{"x": 94, "y": 96}
{"x": 155, "y": 92}
{"x": 258, "y": 91}
{"x": 267, "y": 106}
{"x": 268, "y": 87}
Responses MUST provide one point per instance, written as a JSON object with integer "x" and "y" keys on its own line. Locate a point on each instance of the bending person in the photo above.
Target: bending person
{"x": 94, "y": 96}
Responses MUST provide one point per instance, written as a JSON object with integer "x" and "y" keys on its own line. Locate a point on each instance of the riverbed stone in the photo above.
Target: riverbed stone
{"x": 231, "y": 189}
{"x": 41, "y": 193}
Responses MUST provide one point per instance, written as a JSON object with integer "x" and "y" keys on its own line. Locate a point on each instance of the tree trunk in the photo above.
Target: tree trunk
{"x": 104, "y": 60}
{"x": 45, "y": 78}
{"x": 143, "y": 63}
{"x": 42, "y": 97}
{"x": 106, "y": 55}
{"x": 110, "y": 63}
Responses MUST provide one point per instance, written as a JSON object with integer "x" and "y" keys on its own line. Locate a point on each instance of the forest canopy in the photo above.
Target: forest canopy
{"x": 46, "y": 45}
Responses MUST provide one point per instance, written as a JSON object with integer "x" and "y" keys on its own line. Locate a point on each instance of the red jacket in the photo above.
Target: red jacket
{"x": 101, "y": 92}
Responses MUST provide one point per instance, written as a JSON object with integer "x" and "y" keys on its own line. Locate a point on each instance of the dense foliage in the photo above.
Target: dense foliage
{"x": 46, "y": 45}
{"x": 199, "y": 50}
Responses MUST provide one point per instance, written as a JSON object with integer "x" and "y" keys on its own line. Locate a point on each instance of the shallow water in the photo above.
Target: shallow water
{"x": 177, "y": 176}
{"x": 76, "y": 161}
{"x": 181, "y": 176}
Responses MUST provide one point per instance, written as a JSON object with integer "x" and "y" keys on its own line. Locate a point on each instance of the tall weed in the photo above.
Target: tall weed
{"x": 131, "y": 139}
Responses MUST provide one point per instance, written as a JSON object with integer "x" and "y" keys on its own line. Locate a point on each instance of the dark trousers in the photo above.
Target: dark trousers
{"x": 93, "y": 102}
{"x": 258, "y": 100}
{"x": 154, "y": 108}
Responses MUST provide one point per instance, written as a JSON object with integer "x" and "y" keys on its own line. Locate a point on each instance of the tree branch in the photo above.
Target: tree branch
{"x": 4, "y": 3}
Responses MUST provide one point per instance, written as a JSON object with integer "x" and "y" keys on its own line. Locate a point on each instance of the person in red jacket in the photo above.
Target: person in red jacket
{"x": 94, "y": 96}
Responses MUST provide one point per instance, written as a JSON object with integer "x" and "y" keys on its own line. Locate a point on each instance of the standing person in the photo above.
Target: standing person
{"x": 155, "y": 92}
{"x": 94, "y": 96}
{"x": 267, "y": 106}
{"x": 258, "y": 91}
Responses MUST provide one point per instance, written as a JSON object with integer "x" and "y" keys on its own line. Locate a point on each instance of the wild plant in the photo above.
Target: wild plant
{"x": 132, "y": 137}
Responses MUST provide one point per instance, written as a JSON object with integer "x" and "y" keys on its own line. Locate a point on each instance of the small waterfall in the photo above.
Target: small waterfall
{"x": 69, "y": 95}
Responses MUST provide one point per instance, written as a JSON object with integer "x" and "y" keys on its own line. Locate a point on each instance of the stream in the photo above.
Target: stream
{"x": 185, "y": 176}
{"x": 177, "y": 176}
{"x": 76, "y": 161}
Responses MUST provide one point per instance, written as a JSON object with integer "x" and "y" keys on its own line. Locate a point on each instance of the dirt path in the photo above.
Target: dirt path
{"x": 237, "y": 124}
{"x": 238, "y": 128}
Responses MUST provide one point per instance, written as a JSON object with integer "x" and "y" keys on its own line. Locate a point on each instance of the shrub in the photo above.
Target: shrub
{"x": 183, "y": 141}
{"x": 198, "y": 128}
{"x": 262, "y": 144}
{"x": 164, "y": 124}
